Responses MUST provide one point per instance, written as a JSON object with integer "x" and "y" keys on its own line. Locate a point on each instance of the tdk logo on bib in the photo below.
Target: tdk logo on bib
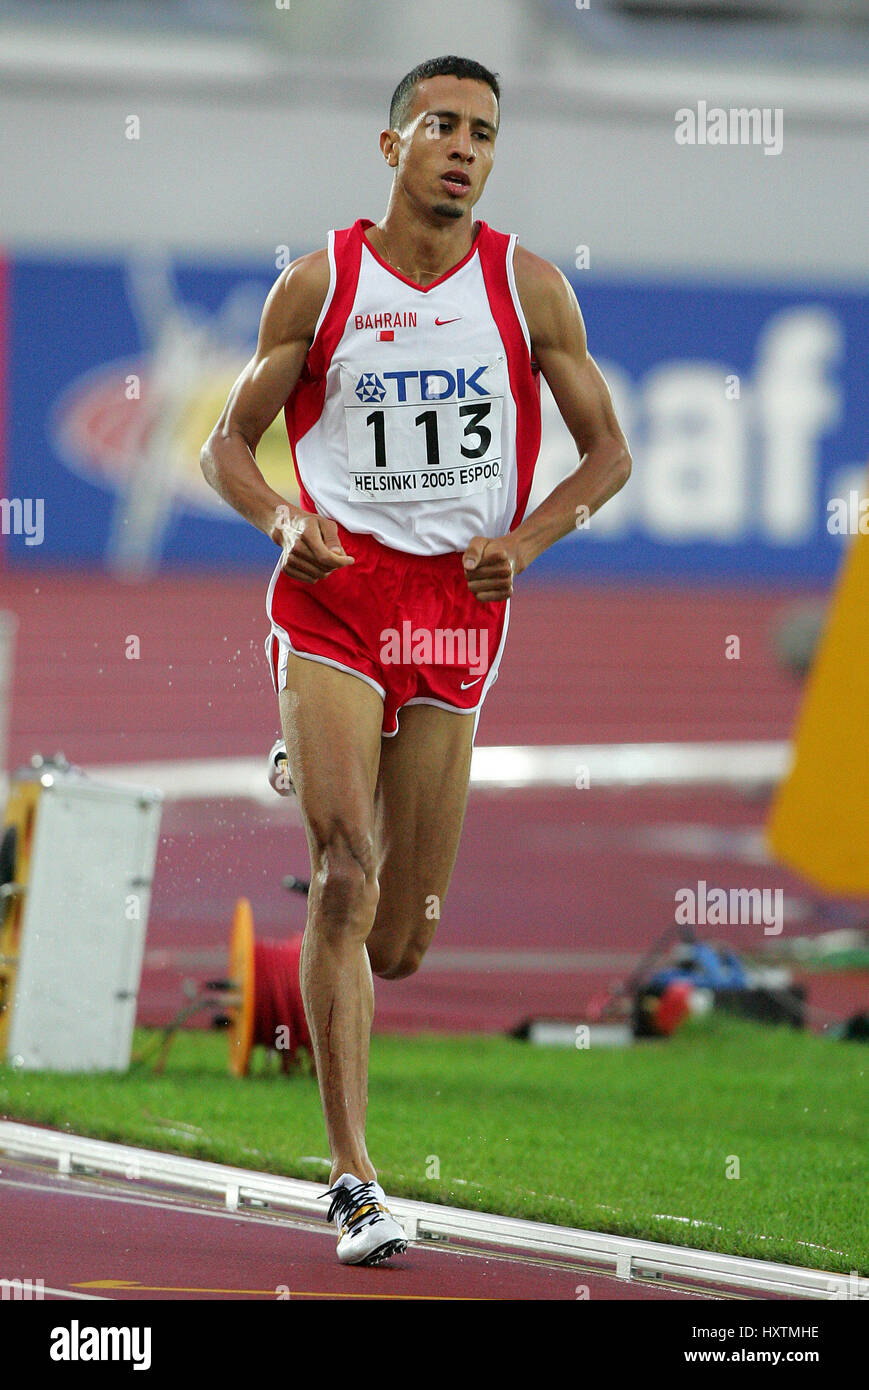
{"x": 370, "y": 388}
{"x": 429, "y": 435}
{"x": 432, "y": 384}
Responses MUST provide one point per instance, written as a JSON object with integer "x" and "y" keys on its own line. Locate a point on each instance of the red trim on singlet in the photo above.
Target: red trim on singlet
{"x": 304, "y": 405}
{"x": 364, "y": 222}
{"x": 524, "y": 373}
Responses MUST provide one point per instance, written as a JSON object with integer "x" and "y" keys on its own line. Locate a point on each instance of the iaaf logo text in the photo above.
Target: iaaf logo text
{"x": 435, "y": 384}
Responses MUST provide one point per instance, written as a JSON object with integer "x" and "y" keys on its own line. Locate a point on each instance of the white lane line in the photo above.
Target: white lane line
{"x": 747, "y": 764}
{"x": 744, "y": 845}
{"x": 157, "y": 1200}
{"x": 284, "y": 1221}
{"x": 428, "y": 1219}
{"x": 472, "y": 962}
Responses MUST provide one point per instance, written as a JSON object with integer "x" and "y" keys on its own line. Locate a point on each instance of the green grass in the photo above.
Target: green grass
{"x": 611, "y": 1140}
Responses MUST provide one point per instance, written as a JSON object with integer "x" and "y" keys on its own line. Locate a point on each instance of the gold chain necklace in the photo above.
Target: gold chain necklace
{"x": 393, "y": 263}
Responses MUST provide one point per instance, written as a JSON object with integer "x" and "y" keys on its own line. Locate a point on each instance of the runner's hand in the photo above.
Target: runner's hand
{"x": 311, "y": 545}
{"x": 490, "y": 566}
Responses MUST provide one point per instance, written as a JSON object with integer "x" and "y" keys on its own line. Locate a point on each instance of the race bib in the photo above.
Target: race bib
{"x": 418, "y": 435}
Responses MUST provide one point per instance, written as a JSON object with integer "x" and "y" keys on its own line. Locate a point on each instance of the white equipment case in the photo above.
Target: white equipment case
{"x": 84, "y": 855}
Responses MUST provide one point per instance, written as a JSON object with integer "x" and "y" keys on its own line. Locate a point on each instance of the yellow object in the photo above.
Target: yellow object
{"x": 20, "y": 817}
{"x": 819, "y": 824}
{"x": 241, "y": 973}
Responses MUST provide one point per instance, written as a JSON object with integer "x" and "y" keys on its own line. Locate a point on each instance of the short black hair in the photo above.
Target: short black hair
{"x": 448, "y": 66}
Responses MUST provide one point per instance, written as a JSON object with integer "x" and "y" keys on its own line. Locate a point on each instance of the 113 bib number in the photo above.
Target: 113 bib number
{"x": 414, "y": 435}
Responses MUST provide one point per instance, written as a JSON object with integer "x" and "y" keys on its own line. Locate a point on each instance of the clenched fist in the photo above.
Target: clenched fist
{"x": 311, "y": 545}
{"x": 490, "y": 566}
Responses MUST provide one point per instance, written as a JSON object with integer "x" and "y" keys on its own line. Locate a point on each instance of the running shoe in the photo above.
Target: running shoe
{"x": 279, "y": 769}
{"x": 368, "y": 1232}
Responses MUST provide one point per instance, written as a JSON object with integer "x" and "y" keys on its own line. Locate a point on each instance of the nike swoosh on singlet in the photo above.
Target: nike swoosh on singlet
{"x": 439, "y": 323}
{"x": 467, "y": 684}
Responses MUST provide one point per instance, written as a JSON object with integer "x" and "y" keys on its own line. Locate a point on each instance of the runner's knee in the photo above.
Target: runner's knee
{"x": 397, "y": 958}
{"x": 344, "y": 871}
{"x": 407, "y": 963}
{"x": 383, "y": 957}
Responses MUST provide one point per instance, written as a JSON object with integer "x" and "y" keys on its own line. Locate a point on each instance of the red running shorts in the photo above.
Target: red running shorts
{"x": 407, "y": 625}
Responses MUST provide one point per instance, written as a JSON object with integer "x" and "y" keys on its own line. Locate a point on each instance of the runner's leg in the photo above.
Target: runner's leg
{"x": 420, "y": 806}
{"x": 332, "y": 724}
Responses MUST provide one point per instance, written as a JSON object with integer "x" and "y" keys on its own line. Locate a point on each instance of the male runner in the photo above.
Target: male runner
{"x": 406, "y": 357}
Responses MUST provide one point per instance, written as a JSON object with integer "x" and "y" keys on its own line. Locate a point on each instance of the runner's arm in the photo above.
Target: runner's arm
{"x": 559, "y": 346}
{"x": 228, "y": 457}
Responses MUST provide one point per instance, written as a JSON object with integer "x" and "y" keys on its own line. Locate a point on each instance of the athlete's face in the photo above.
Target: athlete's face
{"x": 444, "y": 151}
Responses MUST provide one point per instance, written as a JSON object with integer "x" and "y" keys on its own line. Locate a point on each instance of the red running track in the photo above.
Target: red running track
{"x": 106, "y": 1238}
{"x": 554, "y": 895}
{"x": 583, "y": 664}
